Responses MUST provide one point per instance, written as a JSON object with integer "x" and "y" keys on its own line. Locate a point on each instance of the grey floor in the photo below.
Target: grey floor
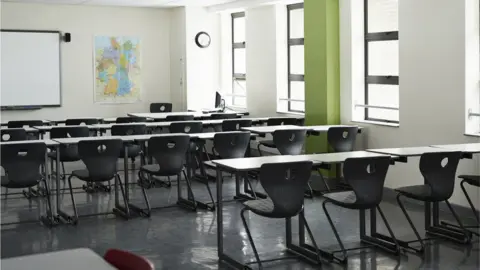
{"x": 174, "y": 238}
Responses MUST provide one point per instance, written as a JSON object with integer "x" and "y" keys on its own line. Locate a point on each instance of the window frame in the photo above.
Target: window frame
{"x": 293, "y": 42}
{"x": 237, "y": 45}
{"x": 376, "y": 79}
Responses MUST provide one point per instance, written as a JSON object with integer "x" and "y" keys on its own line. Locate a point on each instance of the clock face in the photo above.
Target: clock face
{"x": 202, "y": 40}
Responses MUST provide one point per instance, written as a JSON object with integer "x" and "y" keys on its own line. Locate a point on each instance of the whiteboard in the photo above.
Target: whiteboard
{"x": 30, "y": 69}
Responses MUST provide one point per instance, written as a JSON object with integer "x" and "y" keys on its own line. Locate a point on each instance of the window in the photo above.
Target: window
{"x": 381, "y": 101}
{"x": 238, "y": 97}
{"x": 295, "y": 58}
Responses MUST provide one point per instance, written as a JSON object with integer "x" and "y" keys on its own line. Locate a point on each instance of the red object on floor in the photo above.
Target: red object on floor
{"x": 124, "y": 260}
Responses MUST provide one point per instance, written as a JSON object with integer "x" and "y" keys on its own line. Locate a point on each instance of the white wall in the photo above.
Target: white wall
{"x": 152, "y": 26}
{"x": 178, "y": 51}
{"x": 432, "y": 81}
{"x": 203, "y": 64}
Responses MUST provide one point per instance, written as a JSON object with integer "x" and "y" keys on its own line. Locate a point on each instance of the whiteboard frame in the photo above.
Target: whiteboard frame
{"x": 59, "y": 66}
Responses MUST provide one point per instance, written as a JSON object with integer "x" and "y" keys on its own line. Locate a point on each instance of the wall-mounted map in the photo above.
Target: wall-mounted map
{"x": 117, "y": 69}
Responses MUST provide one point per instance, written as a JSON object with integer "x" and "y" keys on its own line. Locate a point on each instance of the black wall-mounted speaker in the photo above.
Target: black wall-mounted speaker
{"x": 67, "y": 37}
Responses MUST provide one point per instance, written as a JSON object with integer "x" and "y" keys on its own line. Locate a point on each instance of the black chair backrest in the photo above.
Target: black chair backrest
{"x": 81, "y": 121}
{"x": 133, "y": 129}
{"x": 169, "y": 152}
{"x": 21, "y": 163}
{"x": 231, "y": 144}
{"x": 186, "y": 127}
{"x": 125, "y": 120}
{"x": 174, "y": 118}
{"x": 289, "y": 141}
{"x": 438, "y": 170}
{"x": 235, "y": 124}
{"x": 160, "y": 107}
{"x": 13, "y": 134}
{"x": 285, "y": 185}
{"x": 223, "y": 116}
{"x": 100, "y": 157}
{"x": 69, "y": 132}
{"x": 24, "y": 123}
{"x": 279, "y": 121}
{"x": 342, "y": 139}
{"x": 366, "y": 176}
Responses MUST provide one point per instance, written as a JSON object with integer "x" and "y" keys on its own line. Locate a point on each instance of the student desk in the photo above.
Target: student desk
{"x": 45, "y": 122}
{"x": 49, "y": 219}
{"x": 72, "y": 259}
{"x": 466, "y": 148}
{"x": 314, "y": 130}
{"x": 248, "y": 164}
{"x": 62, "y": 121}
{"x": 44, "y": 129}
{"x": 31, "y": 130}
{"x": 163, "y": 116}
{"x": 432, "y": 219}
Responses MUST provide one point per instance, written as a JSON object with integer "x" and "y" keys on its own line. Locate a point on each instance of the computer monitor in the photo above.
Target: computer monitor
{"x": 218, "y": 100}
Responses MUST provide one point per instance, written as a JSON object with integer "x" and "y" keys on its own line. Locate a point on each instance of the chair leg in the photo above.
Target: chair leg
{"x": 210, "y": 194}
{"x": 469, "y": 201}
{"x": 324, "y": 181}
{"x": 147, "y": 201}
{"x": 189, "y": 186}
{"x": 390, "y": 231}
{"x": 310, "y": 234}
{"x": 422, "y": 249}
{"x": 49, "y": 218}
{"x": 342, "y": 247}
{"x": 259, "y": 151}
{"x": 250, "y": 238}
{"x": 467, "y": 233}
{"x": 309, "y": 194}
{"x": 70, "y": 220}
{"x": 127, "y": 210}
{"x": 251, "y": 186}
{"x": 63, "y": 171}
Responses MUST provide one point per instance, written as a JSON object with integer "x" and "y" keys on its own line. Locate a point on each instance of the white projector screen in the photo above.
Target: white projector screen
{"x": 30, "y": 68}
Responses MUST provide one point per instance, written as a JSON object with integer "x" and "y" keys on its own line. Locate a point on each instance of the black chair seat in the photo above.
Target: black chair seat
{"x": 154, "y": 169}
{"x": 5, "y": 182}
{"x": 85, "y": 176}
{"x": 64, "y": 158}
{"x": 267, "y": 143}
{"x": 418, "y": 192}
{"x": 261, "y": 207}
{"x": 473, "y": 180}
{"x": 132, "y": 151}
{"x": 346, "y": 199}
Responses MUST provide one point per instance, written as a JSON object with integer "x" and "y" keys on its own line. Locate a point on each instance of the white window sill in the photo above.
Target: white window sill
{"x": 472, "y": 134}
{"x": 292, "y": 113}
{"x": 377, "y": 123}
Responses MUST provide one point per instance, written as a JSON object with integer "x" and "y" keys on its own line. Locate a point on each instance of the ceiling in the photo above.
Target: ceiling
{"x": 131, "y": 3}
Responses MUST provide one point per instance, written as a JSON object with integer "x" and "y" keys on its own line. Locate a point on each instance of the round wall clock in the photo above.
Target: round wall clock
{"x": 202, "y": 39}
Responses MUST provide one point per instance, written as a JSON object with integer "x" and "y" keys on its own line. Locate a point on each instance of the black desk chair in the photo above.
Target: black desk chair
{"x": 276, "y": 121}
{"x": 126, "y": 120}
{"x": 22, "y": 163}
{"x": 14, "y": 134}
{"x": 68, "y": 153}
{"x": 160, "y": 107}
{"x": 235, "y": 124}
{"x": 214, "y": 116}
{"x": 100, "y": 158}
{"x": 366, "y": 176}
{"x": 285, "y": 185}
{"x": 26, "y": 123}
{"x": 438, "y": 170}
{"x": 81, "y": 121}
{"x": 169, "y": 153}
{"x": 175, "y": 118}
{"x": 133, "y": 150}
{"x": 473, "y": 180}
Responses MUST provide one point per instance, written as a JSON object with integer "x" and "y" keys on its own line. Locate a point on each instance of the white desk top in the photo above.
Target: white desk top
{"x": 27, "y": 129}
{"x": 471, "y": 148}
{"x": 47, "y": 142}
{"x": 75, "y": 140}
{"x": 271, "y": 129}
{"x": 48, "y": 128}
{"x": 72, "y": 259}
{"x": 254, "y": 163}
{"x": 409, "y": 151}
{"x": 332, "y": 158}
{"x": 164, "y": 115}
{"x": 109, "y": 126}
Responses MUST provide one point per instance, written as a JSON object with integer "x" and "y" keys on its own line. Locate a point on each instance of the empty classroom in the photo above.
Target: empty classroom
{"x": 240, "y": 134}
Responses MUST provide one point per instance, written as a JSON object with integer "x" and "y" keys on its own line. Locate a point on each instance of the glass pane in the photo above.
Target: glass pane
{"x": 296, "y": 23}
{"x": 239, "y": 87}
{"x": 382, "y": 15}
{"x": 297, "y": 90}
{"x": 383, "y": 95}
{"x": 239, "y": 60}
{"x": 297, "y": 60}
{"x": 239, "y": 30}
{"x": 383, "y": 58}
{"x": 297, "y": 106}
{"x": 240, "y": 101}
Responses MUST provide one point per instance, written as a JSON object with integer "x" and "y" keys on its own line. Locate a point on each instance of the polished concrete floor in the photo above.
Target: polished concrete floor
{"x": 174, "y": 238}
